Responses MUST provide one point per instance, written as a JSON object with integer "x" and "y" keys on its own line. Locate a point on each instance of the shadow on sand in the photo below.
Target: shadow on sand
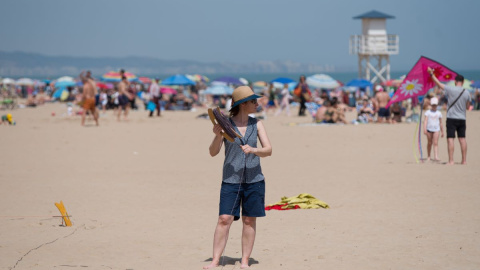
{"x": 225, "y": 260}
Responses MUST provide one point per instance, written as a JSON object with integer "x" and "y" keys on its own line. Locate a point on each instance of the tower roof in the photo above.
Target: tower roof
{"x": 374, "y": 15}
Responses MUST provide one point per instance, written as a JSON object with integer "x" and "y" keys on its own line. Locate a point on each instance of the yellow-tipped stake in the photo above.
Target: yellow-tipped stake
{"x": 63, "y": 212}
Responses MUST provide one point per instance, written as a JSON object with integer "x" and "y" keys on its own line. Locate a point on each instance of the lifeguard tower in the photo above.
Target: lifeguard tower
{"x": 374, "y": 47}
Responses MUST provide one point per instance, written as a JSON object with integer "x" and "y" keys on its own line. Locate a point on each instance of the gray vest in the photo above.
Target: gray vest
{"x": 234, "y": 167}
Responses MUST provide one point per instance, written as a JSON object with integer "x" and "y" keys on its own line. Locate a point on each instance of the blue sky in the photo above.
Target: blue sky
{"x": 307, "y": 31}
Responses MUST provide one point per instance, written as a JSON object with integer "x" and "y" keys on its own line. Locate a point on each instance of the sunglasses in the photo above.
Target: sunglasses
{"x": 254, "y": 101}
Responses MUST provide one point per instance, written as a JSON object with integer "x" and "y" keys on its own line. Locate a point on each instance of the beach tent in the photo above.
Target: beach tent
{"x": 178, "y": 80}
{"x": 322, "y": 81}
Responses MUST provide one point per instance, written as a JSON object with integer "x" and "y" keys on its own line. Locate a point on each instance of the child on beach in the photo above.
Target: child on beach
{"x": 433, "y": 124}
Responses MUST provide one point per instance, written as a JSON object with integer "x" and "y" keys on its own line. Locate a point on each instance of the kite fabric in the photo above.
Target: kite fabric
{"x": 418, "y": 80}
{"x": 302, "y": 201}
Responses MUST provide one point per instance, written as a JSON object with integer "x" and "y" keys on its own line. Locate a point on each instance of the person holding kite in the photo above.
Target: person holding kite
{"x": 243, "y": 183}
{"x": 458, "y": 102}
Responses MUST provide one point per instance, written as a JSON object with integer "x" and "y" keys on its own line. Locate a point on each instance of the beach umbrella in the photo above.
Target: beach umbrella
{"x": 475, "y": 84}
{"x": 219, "y": 90}
{"x": 227, "y": 80}
{"x": 24, "y": 81}
{"x": 282, "y": 80}
{"x": 8, "y": 81}
{"x": 322, "y": 81}
{"x": 360, "y": 83}
{"x": 102, "y": 85}
{"x": 145, "y": 80}
{"x": 114, "y": 76}
{"x": 178, "y": 80}
{"x": 64, "y": 84}
{"x": 65, "y": 79}
{"x": 168, "y": 90}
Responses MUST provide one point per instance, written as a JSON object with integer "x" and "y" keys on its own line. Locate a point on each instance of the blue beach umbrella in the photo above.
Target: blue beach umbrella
{"x": 63, "y": 84}
{"x": 178, "y": 80}
{"x": 475, "y": 84}
{"x": 360, "y": 83}
{"x": 282, "y": 80}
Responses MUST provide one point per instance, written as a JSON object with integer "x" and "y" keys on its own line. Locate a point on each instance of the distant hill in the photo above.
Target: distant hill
{"x": 18, "y": 64}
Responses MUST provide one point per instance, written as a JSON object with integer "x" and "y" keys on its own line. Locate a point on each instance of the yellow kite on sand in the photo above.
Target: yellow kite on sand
{"x": 304, "y": 201}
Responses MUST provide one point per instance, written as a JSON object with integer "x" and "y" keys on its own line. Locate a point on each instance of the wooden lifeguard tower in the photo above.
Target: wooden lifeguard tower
{"x": 374, "y": 47}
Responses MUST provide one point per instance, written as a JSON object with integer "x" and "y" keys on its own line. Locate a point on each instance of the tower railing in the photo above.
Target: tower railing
{"x": 374, "y": 44}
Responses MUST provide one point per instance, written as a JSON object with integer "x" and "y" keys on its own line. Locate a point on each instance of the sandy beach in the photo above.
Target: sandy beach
{"x": 144, "y": 194}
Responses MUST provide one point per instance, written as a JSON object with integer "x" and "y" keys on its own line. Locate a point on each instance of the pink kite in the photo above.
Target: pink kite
{"x": 418, "y": 80}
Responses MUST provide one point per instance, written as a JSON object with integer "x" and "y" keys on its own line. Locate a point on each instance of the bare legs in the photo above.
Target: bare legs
{"x": 221, "y": 236}
{"x": 95, "y": 116}
{"x": 463, "y": 148}
{"x": 432, "y": 141}
{"x": 248, "y": 238}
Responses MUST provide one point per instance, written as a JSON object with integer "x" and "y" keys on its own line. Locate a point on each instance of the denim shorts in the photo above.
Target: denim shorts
{"x": 250, "y": 196}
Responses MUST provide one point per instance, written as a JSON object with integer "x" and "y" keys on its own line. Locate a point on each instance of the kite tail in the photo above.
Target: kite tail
{"x": 420, "y": 130}
{"x": 414, "y": 150}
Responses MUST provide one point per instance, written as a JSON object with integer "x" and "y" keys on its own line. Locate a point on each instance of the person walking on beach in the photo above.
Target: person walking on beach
{"x": 123, "y": 98}
{"x": 381, "y": 100}
{"x": 88, "y": 97}
{"x": 304, "y": 93}
{"x": 154, "y": 91}
{"x": 243, "y": 181}
{"x": 458, "y": 100}
{"x": 284, "y": 101}
{"x": 432, "y": 126}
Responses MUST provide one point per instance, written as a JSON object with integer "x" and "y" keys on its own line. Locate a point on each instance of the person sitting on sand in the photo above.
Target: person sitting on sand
{"x": 396, "y": 111}
{"x": 365, "y": 113}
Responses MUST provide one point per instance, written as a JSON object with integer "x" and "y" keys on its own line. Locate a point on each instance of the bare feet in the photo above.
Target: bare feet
{"x": 464, "y": 163}
{"x": 212, "y": 265}
{"x": 450, "y": 163}
{"x": 244, "y": 265}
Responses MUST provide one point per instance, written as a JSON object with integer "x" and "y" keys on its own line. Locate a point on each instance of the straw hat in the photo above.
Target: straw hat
{"x": 242, "y": 94}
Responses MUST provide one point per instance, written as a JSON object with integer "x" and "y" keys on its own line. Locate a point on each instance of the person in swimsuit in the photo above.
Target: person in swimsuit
{"x": 123, "y": 98}
{"x": 243, "y": 184}
{"x": 88, "y": 97}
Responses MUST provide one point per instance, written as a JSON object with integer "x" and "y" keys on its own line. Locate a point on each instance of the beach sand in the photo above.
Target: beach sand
{"x": 144, "y": 194}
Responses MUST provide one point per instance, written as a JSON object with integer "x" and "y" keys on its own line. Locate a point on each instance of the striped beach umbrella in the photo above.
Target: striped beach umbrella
{"x": 114, "y": 76}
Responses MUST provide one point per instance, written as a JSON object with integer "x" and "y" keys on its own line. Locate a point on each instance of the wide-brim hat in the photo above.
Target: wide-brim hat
{"x": 243, "y": 94}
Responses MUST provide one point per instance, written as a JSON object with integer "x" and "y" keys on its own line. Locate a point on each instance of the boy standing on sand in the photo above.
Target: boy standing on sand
{"x": 433, "y": 124}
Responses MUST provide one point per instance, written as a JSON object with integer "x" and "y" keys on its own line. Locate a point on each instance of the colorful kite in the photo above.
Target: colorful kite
{"x": 417, "y": 83}
{"x": 418, "y": 80}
